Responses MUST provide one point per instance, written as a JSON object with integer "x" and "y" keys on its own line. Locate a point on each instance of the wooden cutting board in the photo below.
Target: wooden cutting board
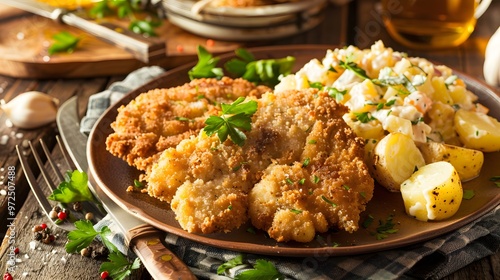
{"x": 25, "y": 38}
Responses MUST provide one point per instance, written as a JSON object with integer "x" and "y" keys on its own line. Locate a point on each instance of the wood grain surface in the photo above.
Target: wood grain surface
{"x": 25, "y": 39}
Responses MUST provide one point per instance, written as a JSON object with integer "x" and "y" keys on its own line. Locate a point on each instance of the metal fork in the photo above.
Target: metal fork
{"x": 38, "y": 191}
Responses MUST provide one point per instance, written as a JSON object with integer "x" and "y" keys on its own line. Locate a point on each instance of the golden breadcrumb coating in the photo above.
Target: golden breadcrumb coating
{"x": 299, "y": 158}
{"x": 161, "y": 118}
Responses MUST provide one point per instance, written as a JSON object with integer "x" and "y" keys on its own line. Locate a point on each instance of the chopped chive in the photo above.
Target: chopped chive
{"x": 306, "y": 162}
{"x": 315, "y": 179}
{"x": 325, "y": 199}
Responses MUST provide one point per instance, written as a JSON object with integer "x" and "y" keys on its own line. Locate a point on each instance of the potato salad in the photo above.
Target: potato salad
{"x": 411, "y": 113}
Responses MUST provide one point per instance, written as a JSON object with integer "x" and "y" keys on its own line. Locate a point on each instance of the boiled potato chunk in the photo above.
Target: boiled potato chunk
{"x": 395, "y": 158}
{"x": 478, "y": 130}
{"x": 434, "y": 192}
{"x": 467, "y": 162}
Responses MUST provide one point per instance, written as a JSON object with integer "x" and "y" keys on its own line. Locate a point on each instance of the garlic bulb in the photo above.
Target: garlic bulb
{"x": 491, "y": 68}
{"x": 30, "y": 109}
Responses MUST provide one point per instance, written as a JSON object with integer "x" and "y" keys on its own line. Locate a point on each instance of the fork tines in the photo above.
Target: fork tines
{"x": 37, "y": 189}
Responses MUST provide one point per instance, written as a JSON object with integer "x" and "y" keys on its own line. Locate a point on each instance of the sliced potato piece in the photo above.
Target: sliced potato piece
{"x": 395, "y": 158}
{"x": 434, "y": 192}
{"x": 478, "y": 130}
{"x": 467, "y": 162}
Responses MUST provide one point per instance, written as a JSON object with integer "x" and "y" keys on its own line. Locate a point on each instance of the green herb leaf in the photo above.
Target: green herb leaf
{"x": 100, "y": 9}
{"x": 138, "y": 184}
{"x": 63, "y": 42}
{"x": 295, "y": 211}
{"x": 119, "y": 266}
{"x": 496, "y": 180}
{"x": 81, "y": 237}
{"x": 262, "y": 270}
{"x": 468, "y": 194}
{"x": 352, "y": 66}
{"x": 384, "y": 229}
{"x": 144, "y": 27}
{"x": 395, "y": 81}
{"x": 337, "y": 94}
{"x": 264, "y": 71}
{"x": 364, "y": 117}
{"x": 235, "y": 117}
{"x": 368, "y": 221}
{"x": 325, "y": 199}
{"x": 74, "y": 188}
{"x": 206, "y": 66}
{"x": 238, "y": 260}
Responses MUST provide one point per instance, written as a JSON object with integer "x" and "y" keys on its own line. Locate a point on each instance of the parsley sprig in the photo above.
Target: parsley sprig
{"x": 123, "y": 9}
{"x": 206, "y": 66}
{"x": 63, "y": 42}
{"x": 390, "y": 81}
{"x": 74, "y": 188}
{"x": 235, "y": 117}
{"x": 244, "y": 65}
{"x": 118, "y": 265}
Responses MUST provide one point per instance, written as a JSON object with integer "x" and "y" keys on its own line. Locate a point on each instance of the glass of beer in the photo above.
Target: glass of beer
{"x": 431, "y": 24}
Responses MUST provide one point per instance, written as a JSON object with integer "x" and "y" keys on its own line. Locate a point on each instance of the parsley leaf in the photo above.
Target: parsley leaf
{"x": 468, "y": 194}
{"x": 81, "y": 237}
{"x": 364, "y": 117}
{"x": 74, "y": 188}
{"x": 384, "y": 229}
{"x": 144, "y": 27}
{"x": 262, "y": 270}
{"x": 63, "y": 42}
{"x": 206, "y": 66}
{"x": 496, "y": 180}
{"x": 350, "y": 65}
{"x": 264, "y": 71}
{"x": 235, "y": 117}
{"x": 238, "y": 260}
{"x": 119, "y": 266}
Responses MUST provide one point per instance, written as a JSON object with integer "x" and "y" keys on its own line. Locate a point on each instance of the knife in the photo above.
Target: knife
{"x": 142, "y": 238}
{"x": 144, "y": 49}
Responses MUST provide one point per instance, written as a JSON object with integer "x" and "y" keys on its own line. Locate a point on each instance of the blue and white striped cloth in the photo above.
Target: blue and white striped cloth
{"x": 433, "y": 259}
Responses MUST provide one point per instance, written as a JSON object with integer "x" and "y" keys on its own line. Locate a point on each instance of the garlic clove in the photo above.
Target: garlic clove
{"x": 31, "y": 109}
{"x": 491, "y": 67}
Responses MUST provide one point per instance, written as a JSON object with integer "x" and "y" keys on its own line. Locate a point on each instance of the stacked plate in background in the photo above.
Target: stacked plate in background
{"x": 245, "y": 24}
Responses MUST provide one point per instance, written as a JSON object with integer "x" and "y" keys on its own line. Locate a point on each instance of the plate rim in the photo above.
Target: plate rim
{"x": 276, "y": 250}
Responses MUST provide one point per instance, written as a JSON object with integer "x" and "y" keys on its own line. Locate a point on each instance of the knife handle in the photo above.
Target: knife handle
{"x": 161, "y": 263}
{"x": 145, "y": 50}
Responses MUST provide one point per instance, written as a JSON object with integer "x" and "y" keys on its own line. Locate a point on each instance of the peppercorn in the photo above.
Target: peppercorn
{"x": 85, "y": 252}
{"x": 53, "y": 214}
{"x": 77, "y": 206}
{"x": 37, "y": 236}
{"x": 46, "y": 239}
{"x": 89, "y": 216}
{"x": 16, "y": 250}
{"x": 37, "y": 228}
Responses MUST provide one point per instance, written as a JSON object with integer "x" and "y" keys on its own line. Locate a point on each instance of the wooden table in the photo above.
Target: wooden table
{"x": 354, "y": 23}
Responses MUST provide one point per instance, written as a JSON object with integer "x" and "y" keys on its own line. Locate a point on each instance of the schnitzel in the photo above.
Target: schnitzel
{"x": 300, "y": 171}
{"x": 161, "y": 118}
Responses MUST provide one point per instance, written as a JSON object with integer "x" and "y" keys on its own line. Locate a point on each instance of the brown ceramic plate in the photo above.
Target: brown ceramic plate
{"x": 114, "y": 175}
